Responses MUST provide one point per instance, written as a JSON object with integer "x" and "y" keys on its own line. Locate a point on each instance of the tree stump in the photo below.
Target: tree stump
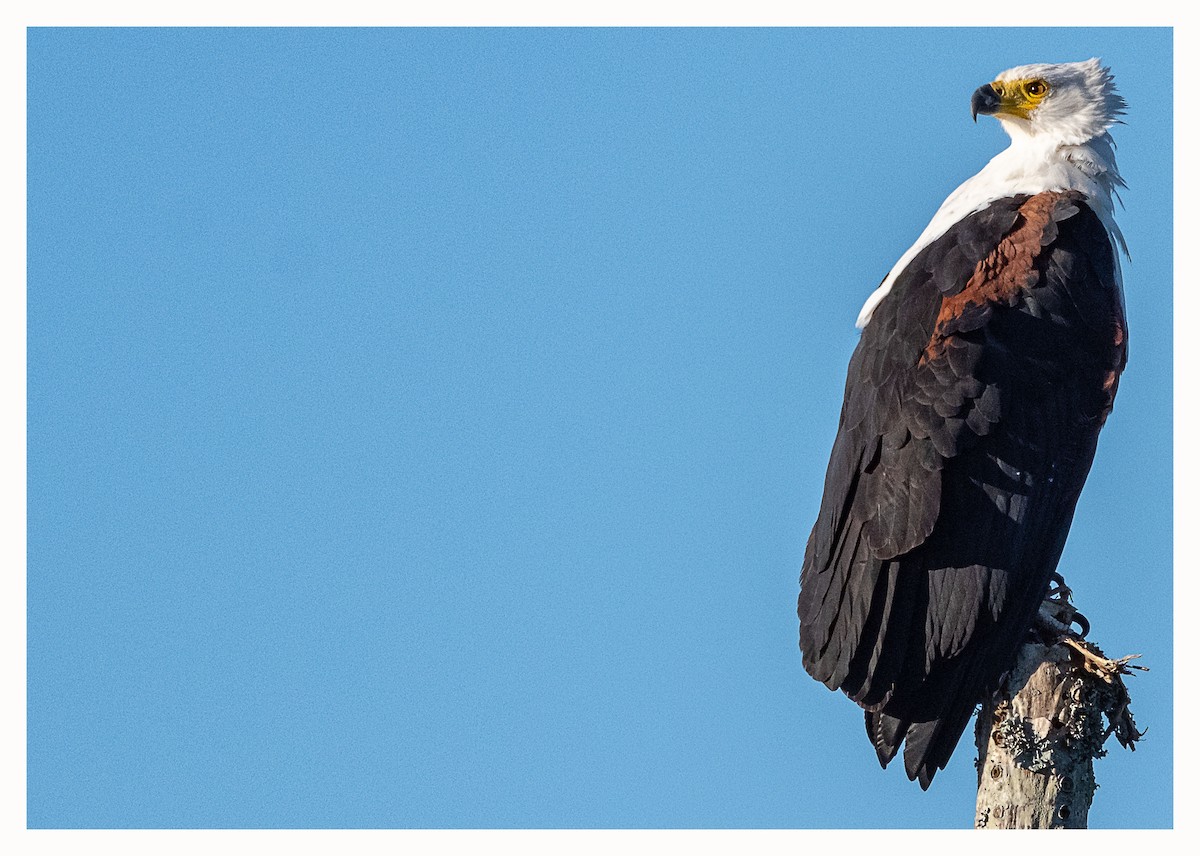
{"x": 1039, "y": 733}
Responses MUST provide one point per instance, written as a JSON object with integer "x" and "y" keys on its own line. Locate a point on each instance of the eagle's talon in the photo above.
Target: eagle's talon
{"x": 1056, "y": 614}
{"x": 1085, "y": 626}
{"x": 1059, "y": 588}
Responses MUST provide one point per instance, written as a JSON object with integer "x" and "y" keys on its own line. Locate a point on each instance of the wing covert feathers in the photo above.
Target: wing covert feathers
{"x": 972, "y": 406}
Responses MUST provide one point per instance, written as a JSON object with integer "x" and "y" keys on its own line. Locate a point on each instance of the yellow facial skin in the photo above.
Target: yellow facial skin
{"x": 1019, "y": 97}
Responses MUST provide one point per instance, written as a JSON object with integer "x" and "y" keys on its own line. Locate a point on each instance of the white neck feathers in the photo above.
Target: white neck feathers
{"x": 1031, "y": 165}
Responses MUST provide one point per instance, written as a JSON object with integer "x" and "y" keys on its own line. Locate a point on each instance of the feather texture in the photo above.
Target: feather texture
{"x": 972, "y": 407}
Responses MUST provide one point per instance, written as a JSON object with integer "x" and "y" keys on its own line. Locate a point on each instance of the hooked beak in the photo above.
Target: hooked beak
{"x": 986, "y": 100}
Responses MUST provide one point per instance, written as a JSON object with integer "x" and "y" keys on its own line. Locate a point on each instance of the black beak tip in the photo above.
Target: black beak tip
{"x": 984, "y": 100}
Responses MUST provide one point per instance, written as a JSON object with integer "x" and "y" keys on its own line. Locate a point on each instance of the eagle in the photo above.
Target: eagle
{"x": 987, "y": 365}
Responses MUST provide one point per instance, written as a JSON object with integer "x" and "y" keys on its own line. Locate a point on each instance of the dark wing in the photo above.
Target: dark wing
{"x": 973, "y": 403}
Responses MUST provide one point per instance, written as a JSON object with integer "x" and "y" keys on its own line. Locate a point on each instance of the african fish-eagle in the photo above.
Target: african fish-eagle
{"x": 988, "y": 362}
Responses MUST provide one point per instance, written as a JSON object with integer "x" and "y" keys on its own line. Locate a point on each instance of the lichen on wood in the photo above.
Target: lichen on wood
{"x": 1039, "y": 733}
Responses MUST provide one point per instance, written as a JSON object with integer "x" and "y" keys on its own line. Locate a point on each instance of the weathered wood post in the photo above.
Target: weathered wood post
{"x": 1039, "y": 733}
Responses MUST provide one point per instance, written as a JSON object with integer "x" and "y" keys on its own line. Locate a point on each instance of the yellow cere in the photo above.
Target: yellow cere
{"x": 1019, "y": 97}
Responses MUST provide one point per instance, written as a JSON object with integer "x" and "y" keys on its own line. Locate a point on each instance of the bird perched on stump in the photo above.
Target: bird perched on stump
{"x": 988, "y": 362}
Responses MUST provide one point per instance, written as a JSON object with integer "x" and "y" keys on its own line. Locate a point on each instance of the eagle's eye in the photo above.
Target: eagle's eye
{"x": 1036, "y": 88}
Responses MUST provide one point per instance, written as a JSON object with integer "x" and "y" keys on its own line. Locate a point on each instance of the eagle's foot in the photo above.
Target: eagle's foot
{"x": 1057, "y": 614}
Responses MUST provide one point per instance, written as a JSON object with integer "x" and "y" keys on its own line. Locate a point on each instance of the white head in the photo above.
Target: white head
{"x": 1064, "y": 104}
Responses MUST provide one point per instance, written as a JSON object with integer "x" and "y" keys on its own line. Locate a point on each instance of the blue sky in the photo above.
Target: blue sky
{"x": 425, "y": 425}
